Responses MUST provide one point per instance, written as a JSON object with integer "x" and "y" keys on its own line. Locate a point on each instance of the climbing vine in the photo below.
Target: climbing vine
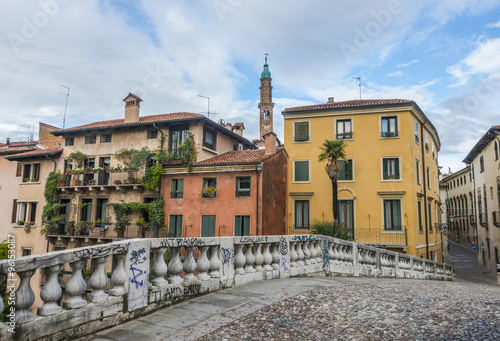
{"x": 123, "y": 212}
{"x": 51, "y": 209}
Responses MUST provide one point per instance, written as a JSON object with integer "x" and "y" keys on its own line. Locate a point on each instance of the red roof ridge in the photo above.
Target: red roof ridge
{"x": 349, "y": 103}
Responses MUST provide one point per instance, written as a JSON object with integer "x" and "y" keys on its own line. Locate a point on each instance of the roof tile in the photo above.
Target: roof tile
{"x": 240, "y": 157}
{"x": 348, "y": 104}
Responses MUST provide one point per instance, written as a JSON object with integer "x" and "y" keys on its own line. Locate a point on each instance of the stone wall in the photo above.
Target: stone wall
{"x": 194, "y": 266}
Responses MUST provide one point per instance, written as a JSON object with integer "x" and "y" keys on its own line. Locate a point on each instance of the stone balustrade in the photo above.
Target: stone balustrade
{"x": 147, "y": 274}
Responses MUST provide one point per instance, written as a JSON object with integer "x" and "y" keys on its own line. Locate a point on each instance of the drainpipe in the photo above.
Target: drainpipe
{"x": 257, "y": 200}
{"x": 424, "y": 175}
{"x": 55, "y": 163}
{"x": 159, "y": 180}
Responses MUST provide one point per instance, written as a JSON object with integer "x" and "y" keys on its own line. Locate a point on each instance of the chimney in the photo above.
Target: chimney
{"x": 132, "y": 106}
{"x": 331, "y": 100}
{"x": 238, "y": 128}
{"x": 270, "y": 143}
{"x": 8, "y": 141}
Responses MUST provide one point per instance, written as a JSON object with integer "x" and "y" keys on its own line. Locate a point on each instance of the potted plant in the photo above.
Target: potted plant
{"x": 209, "y": 192}
{"x": 20, "y": 222}
{"x": 118, "y": 182}
{"x": 28, "y": 225}
{"x": 82, "y": 227}
{"x": 120, "y": 229}
{"x": 26, "y": 180}
{"x": 144, "y": 226}
{"x": 71, "y": 228}
{"x": 97, "y": 169}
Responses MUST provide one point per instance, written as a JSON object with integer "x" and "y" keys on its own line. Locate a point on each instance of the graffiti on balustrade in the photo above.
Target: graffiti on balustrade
{"x": 173, "y": 292}
{"x": 283, "y": 246}
{"x": 284, "y": 264}
{"x": 136, "y": 273}
{"x": 175, "y": 242}
{"x": 100, "y": 251}
{"x": 157, "y": 295}
{"x": 226, "y": 255}
{"x": 305, "y": 238}
{"x": 248, "y": 239}
{"x": 138, "y": 257}
{"x": 192, "y": 289}
{"x": 326, "y": 260}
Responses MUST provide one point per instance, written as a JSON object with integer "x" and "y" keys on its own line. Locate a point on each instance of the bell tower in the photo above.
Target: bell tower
{"x": 266, "y": 104}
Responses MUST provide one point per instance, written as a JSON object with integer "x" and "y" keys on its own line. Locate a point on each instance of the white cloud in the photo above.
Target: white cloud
{"x": 409, "y": 63}
{"x": 493, "y": 25}
{"x": 395, "y": 74}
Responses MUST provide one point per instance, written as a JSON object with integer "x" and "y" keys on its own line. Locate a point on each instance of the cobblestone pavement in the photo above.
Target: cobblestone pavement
{"x": 406, "y": 310}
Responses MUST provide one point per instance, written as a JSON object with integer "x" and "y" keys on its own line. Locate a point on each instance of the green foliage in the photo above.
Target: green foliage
{"x": 4, "y": 247}
{"x": 187, "y": 152}
{"x": 78, "y": 158}
{"x": 152, "y": 176}
{"x": 51, "y": 209}
{"x": 133, "y": 159}
{"x": 331, "y": 151}
{"x": 334, "y": 229}
{"x": 209, "y": 192}
{"x": 123, "y": 212}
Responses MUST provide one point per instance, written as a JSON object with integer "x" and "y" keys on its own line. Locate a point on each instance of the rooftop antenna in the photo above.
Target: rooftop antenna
{"x": 66, "y": 107}
{"x": 30, "y": 134}
{"x": 359, "y": 84}
{"x": 208, "y": 112}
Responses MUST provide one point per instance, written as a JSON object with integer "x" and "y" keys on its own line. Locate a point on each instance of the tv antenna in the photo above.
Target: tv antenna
{"x": 66, "y": 106}
{"x": 359, "y": 84}
{"x": 30, "y": 134}
{"x": 208, "y": 111}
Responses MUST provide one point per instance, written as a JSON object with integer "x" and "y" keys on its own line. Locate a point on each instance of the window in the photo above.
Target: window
{"x": 14, "y": 211}
{"x": 152, "y": 134}
{"x": 26, "y": 211}
{"x": 390, "y": 169}
{"x": 420, "y": 226}
{"x": 418, "y": 172}
{"x": 105, "y": 138}
{"x": 301, "y": 170}
{"x": 26, "y": 252}
{"x": 301, "y": 130}
{"x": 301, "y": 214}
{"x": 430, "y": 217}
{"x": 346, "y": 215}
{"x": 392, "y": 214}
{"x": 175, "y": 227}
{"x": 389, "y": 126}
{"x": 346, "y": 170}
{"x": 267, "y": 114}
{"x": 69, "y": 141}
{"x": 209, "y": 139}
{"x": 101, "y": 210}
{"x": 27, "y": 173}
{"x": 496, "y": 150}
{"x": 177, "y": 188}
{"x": 242, "y": 186}
{"x": 91, "y": 139}
{"x": 178, "y": 135}
{"x": 344, "y": 130}
{"x": 208, "y": 225}
{"x": 428, "y": 178}
{"x": 32, "y": 206}
{"x": 481, "y": 164}
{"x": 19, "y": 170}
{"x": 86, "y": 210}
{"x": 36, "y": 172}
{"x": 416, "y": 132}
{"x": 242, "y": 225}
{"x": 22, "y": 211}
{"x": 426, "y": 142}
{"x": 209, "y": 189}
{"x": 432, "y": 144}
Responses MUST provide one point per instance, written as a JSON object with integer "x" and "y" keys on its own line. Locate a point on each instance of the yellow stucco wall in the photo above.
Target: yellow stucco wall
{"x": 367, "y": 148}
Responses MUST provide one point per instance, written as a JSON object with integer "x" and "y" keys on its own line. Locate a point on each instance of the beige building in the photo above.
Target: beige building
{"x": 484, "y": 160}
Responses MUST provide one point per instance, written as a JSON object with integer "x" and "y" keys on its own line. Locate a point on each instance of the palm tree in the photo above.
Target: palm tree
{"x": 331, "y": 153}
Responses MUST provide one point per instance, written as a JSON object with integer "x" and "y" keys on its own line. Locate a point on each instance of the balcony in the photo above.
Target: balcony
{"x": 483, "y": 219}
{"x": 389, "y": 134}
{"x": 473, "y": 221}
{"x": 345, "y": 136}
{"x": 106, "y": 180}
{"x": 496, "y": 218}
{"x": 382, "y": 238}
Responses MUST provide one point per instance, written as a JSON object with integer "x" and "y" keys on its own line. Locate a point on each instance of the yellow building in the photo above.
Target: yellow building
{"x": 388, "y": 192}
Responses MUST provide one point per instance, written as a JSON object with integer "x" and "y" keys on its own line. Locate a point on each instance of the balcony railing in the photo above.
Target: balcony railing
{"x": 343, "y": 136}
{"x": 389, "y": 134}
{"x": 301, "y": 138}
{"x": 473, "y": 221}
{"x": 496, "y": 218}
{"x": 382, "y": 237}
{"x": 483, "y": 219}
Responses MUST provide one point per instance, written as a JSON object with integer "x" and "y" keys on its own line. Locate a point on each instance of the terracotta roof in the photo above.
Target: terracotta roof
{"x": 36, "y": 153}
{"x": 18, "y": 144}
{"x": 239, "y": 157}
{"x": 133, "y": 95}
{"x": 349, "y": 104}
{"x": 17, "y": 147}
{"x": 142, "y": 120}
{"x": 482, "y": 143}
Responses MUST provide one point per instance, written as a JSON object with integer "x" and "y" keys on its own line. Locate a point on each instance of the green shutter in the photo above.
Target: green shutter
{"x": 385, "y": 169}
{"x": 301, "y": 170}
{"x": 237, "y": 226}
{"x": 349, "y": 170}
{"x": 246, "y": 225}
{"x": 175, "y": 228}
{"x": 396, "y": 165}
{"x": 180, "y": 188}
{"x": 430, "y": 216}
{"x": 396, "y": 206}
{"x": 420, "y": 216}
{"x": 342, "y": 169}
{"x": 208, "y": 226}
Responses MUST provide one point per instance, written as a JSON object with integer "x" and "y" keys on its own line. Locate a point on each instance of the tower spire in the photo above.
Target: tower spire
{"x": 266, "y": 104}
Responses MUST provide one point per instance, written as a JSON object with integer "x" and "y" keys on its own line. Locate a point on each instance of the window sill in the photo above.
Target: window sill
{"x": 392, "y": 231}
{"x": 392, "y": 180}
{"x": 301, "y": 182}
{"x": 343, "y": 181}
{"x": 209, "y": 150}
{"x": 389, "y": 137}
{"x": 30, "y": 183}
{"x": 299, "y": 142}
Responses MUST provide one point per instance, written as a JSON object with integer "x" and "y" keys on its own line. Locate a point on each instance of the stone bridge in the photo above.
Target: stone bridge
{"x": 140, "y": 281}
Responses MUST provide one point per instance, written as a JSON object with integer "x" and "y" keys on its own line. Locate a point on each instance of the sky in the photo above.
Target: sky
{"x": 443, "y": 54}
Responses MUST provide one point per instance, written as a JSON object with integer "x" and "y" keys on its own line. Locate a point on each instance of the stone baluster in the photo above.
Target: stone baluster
{"x": 175, "y": 266}
{"x": 276, "y": 256}
{"x": 307, "y": 254}
{"x": 361, "y": 260}
{"x": 300, "y": 254}
{"x": 312, "y": 252}
{"x": 249, "y": 259}
{"x": 1, "y": 301}
{"x": 293, "y": 254}
{"x": 160, "y": 268}
{"x": 268, "y": 257}
{"x": 50, "y": 293}
{"x": 119, "y": 276}
{"x": 383, "y": 260}
{"x": 203, "y": 264}
{"x": 349, "y": 254}
{"x": 331, "y": 253}
{"x": 25, "y": 297}
{"x": 259, "y": 258}
{"x": 98, "y": 281}
{"x": 319, "y": 252}
{"x": 214, "y": 261}
{"x": 75, "y": 287}
{"x": 336, "y": 254}
{"x": 189, "y": 265}
{"x": 239, "y": 260}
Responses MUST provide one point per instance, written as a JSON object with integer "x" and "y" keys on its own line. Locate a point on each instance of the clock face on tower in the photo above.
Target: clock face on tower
{"x": 267, "y": 114}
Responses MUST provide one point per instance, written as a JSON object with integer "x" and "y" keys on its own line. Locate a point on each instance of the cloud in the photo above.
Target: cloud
{"x": 409, "y": 63}
{"x": 395, "y": 74}
{"x": 493, "y": 25}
